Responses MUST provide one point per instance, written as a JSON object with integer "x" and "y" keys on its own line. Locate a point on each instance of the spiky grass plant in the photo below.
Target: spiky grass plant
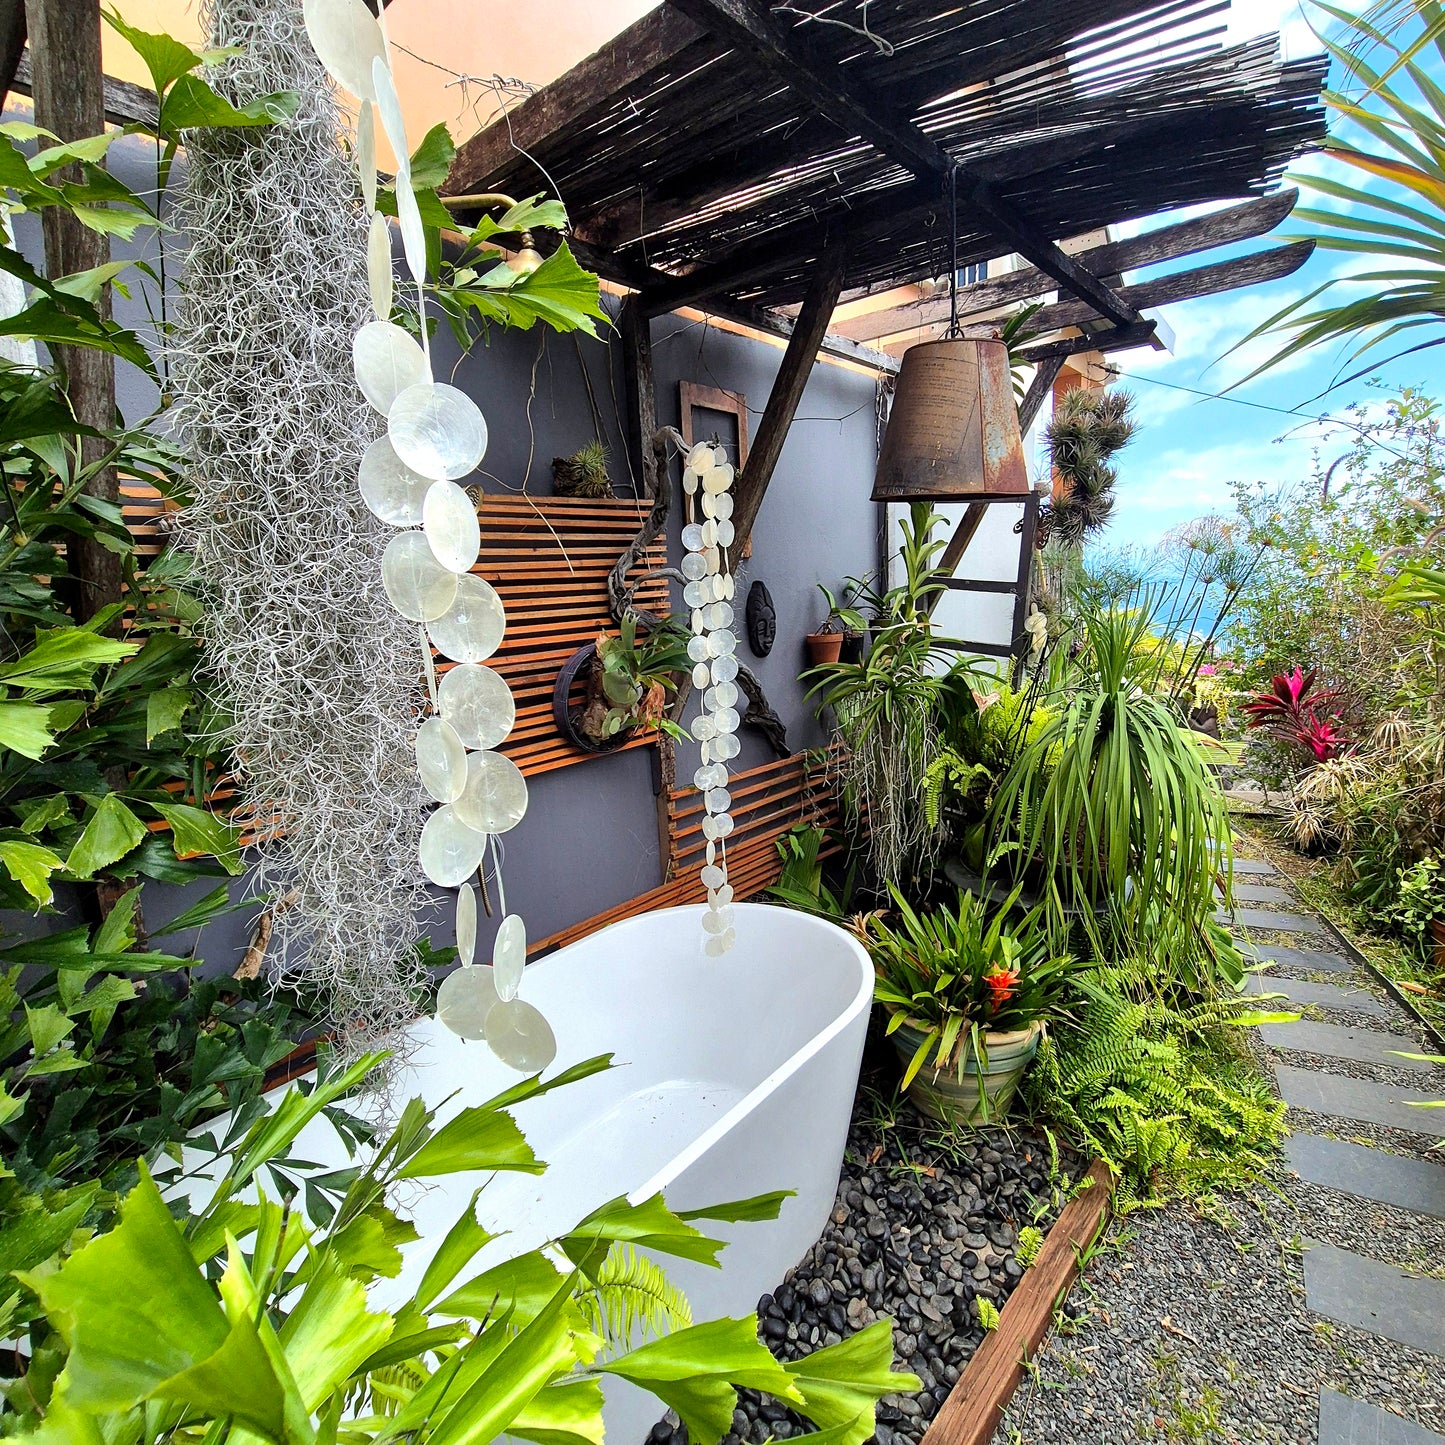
{"x": 584, "y": 473}
{"x": 1113, "y": 804}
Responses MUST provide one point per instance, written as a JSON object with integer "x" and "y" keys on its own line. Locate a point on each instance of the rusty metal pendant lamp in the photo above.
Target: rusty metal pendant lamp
{"x": 953, "y": 433}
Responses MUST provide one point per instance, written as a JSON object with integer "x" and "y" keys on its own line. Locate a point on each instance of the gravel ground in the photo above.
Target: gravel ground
{"x": 1191, "y": 1322}
{"x": 922, "y": 1228}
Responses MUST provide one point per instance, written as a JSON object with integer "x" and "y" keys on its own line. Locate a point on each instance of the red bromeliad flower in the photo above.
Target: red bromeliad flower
{"x": 1001, "y": 984}
{"x": 1290, "y": 711}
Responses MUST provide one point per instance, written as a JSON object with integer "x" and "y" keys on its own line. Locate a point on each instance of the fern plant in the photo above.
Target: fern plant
{"x": 1161, "y": 1092}
{"x": 630, "y": 1299}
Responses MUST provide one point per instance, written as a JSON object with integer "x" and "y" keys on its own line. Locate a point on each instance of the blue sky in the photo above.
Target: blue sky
{"x": 1188, "y": 451}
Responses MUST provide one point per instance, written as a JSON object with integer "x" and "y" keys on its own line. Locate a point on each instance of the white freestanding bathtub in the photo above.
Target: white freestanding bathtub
{"x": 733, "y": 1077}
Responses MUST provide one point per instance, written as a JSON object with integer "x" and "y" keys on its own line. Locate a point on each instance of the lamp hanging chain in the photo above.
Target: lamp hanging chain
{"x": 953, "y": 250}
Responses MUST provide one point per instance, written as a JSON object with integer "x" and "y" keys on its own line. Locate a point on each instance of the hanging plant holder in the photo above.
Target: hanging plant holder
{"x": 568, "y": 715}
{"x": 953, "y": 435}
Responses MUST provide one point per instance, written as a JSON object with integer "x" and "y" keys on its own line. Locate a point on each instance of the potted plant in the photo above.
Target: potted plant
{"x": 842, "y": 626}
{"x": 967, "y": 999}
{"x": 629, "y": 676}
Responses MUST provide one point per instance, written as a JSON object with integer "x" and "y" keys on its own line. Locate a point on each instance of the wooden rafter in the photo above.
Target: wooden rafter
{"x": 1168, "y": 243}
{"x": 787, "y": 392}
{"x": 795, "y": 62}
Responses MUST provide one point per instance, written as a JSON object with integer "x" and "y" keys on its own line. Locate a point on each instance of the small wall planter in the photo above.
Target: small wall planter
{"x": 823, "y": 647}
{"x": 958, "y": 1101}
{"x": 568, "y": 717}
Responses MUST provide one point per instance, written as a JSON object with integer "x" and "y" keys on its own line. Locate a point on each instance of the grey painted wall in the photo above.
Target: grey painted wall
{"x": 589, "y": 840}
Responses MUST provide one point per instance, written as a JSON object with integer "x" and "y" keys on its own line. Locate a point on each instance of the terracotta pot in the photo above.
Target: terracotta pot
{"x": 953, "y": 1096}
{"x": 823, "y": 647}
{"x": 1437, "y": 944}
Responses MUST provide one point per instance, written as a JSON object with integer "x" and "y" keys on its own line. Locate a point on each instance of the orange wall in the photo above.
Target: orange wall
{"x": 532, "y": 40}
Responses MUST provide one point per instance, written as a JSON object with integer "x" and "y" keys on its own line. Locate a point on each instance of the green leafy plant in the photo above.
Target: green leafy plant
{"x": 1158, "y": 1090}
{"x": 584, "y": 473}
{"x": 1418, "y": 901}
{"x": 956, "y": 975}
{"x": 249, "y": 1317}
{"x": 840, "y": 616}
{"x": 1088, "y": 426}
{"x": 631, "y": 678}
{"x": 801, "y": 884}
{"x": 1113, "y": 805}
{"x": 1031, "y": 1241}
{"x": 885, "y": 707}
{"x": 987, "y": 1312}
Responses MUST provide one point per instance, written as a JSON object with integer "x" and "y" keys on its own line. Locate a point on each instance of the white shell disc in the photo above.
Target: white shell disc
{"x": 466, "y": 997}
{"x": 348, "y": 42}
{"x": 366, "y": 153}
{"x": 387, "y": 362}
{"x": 495, "y": 799}
{"x": 449, "y": 523}
{"x": 466, "y": 925}
{"x": 441, "y": 760}
{"x": 692, "y": 537}
{"x": 390, "y": 489}
{"x": 437, "y": 431}
{"x": 699, "y": 459}
{"x": 379, "y": 276}
{"x": 478, "y": 705}
{"x": 388, "y": 105}
{"x": 413, "y": 233}
{"x": 520, "y": 1037}
{"x": 471, "y": 629}
{"x": 419, "y": 586}
{"x": 450, "y": 851}
{"x": 509, "y": 956}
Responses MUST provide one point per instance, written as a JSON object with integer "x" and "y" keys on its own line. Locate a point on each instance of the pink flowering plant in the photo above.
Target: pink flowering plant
{"x": 1294, "y": 711}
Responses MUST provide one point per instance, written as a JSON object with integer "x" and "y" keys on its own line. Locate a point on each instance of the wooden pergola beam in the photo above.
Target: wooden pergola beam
{"x": 646, "y": 45}
{"x": 798, "y": 65}
{"x": 787, "y": 392}
{"x": 1168, "y": 243}
{"x": 1231, "y": 275}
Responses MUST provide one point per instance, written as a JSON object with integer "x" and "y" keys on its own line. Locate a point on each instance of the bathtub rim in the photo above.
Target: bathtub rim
{"x": 859, "y": 1004}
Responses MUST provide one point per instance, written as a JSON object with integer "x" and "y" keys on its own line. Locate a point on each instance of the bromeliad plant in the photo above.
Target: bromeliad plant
{"x": 1291, "y": 710}
{"x": 247, "y": 1320}
{"x": 957, "y": 975}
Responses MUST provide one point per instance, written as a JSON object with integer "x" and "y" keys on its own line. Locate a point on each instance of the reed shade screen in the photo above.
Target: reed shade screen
{"x": 1075, "y": 116}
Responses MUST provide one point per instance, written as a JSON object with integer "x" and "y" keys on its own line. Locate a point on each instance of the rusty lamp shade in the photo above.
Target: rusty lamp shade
{"x": 953, "y": 435}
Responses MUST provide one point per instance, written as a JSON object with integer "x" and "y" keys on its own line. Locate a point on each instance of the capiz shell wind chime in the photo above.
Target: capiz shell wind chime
{"x": 709, "y": 592}
{"x": 435, "y": 435}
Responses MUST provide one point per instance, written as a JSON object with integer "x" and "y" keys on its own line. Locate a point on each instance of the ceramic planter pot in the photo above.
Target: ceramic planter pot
{"x": 853, "y": 645}
{"x": 823, "y": 647}
{"x": 961, "y": 1101}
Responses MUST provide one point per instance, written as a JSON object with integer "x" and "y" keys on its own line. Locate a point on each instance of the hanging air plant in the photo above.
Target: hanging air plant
{"x": 1087, "y": 429}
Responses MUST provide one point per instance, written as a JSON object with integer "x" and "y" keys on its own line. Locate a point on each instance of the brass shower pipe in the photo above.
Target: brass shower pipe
{"x": 527, "y": 257}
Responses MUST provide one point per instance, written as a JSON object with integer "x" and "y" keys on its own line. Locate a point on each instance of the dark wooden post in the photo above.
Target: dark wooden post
{"x": 69, "y": 90}
{"x": 12, "y": 42}
{"x": 641, "y": 402}
{"x": 802, "y": 351}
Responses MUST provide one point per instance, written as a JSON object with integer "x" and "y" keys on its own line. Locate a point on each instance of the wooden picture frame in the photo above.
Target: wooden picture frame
{"x": 693, "y": 397}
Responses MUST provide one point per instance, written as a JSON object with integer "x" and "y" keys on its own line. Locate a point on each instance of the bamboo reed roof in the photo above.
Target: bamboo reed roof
{"x": 717, "y": 147}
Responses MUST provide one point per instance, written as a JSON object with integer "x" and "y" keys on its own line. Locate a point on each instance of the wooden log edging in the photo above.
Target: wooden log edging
{"x": 976, "y": 1403}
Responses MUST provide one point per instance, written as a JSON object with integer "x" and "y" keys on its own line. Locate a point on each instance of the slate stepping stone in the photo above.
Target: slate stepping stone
{"x": 1362, "y": 1099}
{"x": 1357, "y": 1290}
{"x": 1368, "y": 1173}
{"x": 1307, "y": 959}
{"x": 1303, "y": 992}
{"x": 1275, "y": 921}
{"x": 1262, "y": 893}
{"x": 1257, "y": 866}
{"x": 1344, "y": 1421}
{"x": 1340, "y": 1041}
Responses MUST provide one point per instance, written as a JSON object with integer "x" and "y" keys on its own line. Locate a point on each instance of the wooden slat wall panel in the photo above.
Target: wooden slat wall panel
{"x": 768, "y": 801}
{"x": 548, "y": 558}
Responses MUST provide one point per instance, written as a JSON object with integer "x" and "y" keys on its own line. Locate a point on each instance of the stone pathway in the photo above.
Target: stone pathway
{"x": 1317, "y": 1313}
